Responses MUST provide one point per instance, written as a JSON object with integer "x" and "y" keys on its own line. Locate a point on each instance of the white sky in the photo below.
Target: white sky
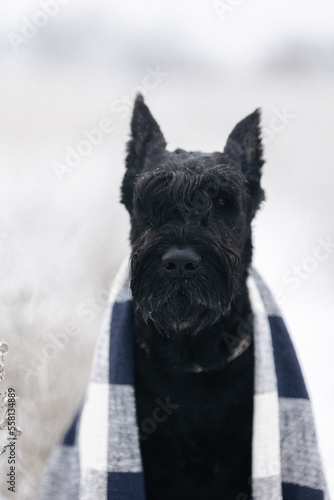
{"x": 244, "y": 34}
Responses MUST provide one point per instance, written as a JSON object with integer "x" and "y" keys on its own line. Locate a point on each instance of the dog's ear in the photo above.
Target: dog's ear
{"x": 244, "y": 149}
{"x": 146, "y": 142}
{"x": 146, "y": 137}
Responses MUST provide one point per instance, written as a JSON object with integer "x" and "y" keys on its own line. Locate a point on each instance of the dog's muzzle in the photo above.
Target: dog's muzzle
{"x": 181, "y": 262}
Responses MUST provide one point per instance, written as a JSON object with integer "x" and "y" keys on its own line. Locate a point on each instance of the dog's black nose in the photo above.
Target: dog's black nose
{"x": 181, "y": 262}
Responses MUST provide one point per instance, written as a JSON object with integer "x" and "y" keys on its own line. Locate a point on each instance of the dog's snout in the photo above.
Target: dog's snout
{"x": 181, "y": 262}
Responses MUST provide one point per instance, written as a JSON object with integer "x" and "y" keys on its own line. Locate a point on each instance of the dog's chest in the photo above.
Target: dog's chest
{"x": 195, "y": 430}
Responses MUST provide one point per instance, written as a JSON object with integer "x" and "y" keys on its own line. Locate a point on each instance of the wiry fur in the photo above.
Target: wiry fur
{"x": 193, "y": 333}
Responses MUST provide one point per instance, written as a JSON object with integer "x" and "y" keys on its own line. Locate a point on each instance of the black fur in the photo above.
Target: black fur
{"x": 193, "y": 322}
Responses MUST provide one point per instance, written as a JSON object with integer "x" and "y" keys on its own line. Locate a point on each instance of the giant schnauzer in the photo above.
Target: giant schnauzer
{"x": 191, "y": 215}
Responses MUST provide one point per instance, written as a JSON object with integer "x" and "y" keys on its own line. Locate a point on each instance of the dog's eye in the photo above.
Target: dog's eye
{"x": 220, "y": 202}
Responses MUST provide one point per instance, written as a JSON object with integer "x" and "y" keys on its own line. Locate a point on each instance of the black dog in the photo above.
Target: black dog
{"x": 191, "y": 216}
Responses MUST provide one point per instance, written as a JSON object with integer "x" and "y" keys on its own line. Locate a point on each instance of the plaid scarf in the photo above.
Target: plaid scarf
{"x": 99, "y": 458}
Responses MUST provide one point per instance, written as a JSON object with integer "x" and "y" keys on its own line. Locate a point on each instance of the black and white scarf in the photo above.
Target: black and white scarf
{"x": 99, "y": 458}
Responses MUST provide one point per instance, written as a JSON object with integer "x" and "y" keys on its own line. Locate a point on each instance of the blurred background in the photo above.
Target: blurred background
{"x": 69, "y": 73}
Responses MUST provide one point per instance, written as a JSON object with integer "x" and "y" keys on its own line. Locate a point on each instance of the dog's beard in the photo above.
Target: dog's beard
{"x": 186, "y": 306}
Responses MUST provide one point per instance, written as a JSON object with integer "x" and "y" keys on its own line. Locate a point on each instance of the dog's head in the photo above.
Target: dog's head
{"x": 190, "y": 223}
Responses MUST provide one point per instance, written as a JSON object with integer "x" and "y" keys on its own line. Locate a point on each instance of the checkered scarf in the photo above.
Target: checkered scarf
{"x": 99, "y": 458}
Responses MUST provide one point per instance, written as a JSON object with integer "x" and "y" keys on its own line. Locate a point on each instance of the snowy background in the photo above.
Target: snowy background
{"x": 70, "y": 68}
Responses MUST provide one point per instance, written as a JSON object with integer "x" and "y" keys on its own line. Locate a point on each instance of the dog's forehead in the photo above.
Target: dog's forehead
{"x": 192, "y": 160}
{"x": 209, "y": 158}
{"x": 189, "y": 164}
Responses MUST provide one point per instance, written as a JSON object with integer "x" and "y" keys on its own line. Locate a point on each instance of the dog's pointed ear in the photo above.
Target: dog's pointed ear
{"x": 244, "y": 149}
{"x": 146, "y": 137}
{"x": 146, "y": 142}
